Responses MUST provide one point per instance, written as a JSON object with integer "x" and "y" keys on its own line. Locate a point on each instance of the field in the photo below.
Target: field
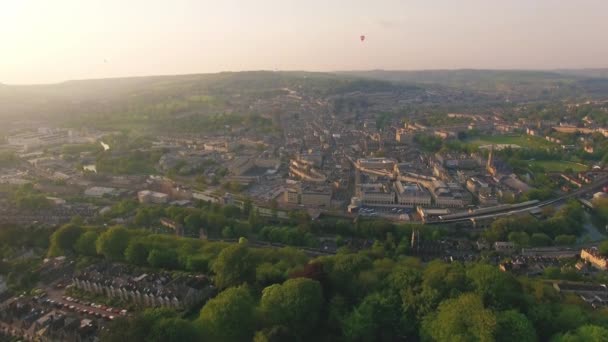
{"x": 558, "y": 165}
{"x": 524, "y": 141}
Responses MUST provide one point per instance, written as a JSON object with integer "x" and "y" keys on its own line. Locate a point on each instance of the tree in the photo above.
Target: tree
{"x": 377, "y": 318}
{"x": 603, "y": 248}
{"x": 163, "y": 258}
{"x": 229, "y": 316}
{"x": 193, "y": 222}
{"x": 565, "y": 240}
{"x": 247, "y": 206}
{"x": 540, "y": 239}
{"x": 461, "y": 319}
{"x": 277, "y": 333}
{"x": 113, "y": 242}
{"x": 137, "y": 253}
{"x": 521, "y": 239}
{"x": 85, "y": 245}
{"x": 140, "y": 327}
{"x": 174, "y": 330}
{"x": 295, "y": 304}
{"x": 64, "y": 239}
{"x": 514, "y": 326}
{"x": 586, "y": 333}
{"x": 497, "y": 289}
{"x": 233, "y": 266}
{"x": 446, "y": 279}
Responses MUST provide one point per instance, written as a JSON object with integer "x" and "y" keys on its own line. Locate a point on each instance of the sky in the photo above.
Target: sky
{"x": 46, "y": 41}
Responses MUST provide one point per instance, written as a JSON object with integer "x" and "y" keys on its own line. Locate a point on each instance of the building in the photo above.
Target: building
{"x": 453, "y": 161}
{"x": 147, "y": 196}
{"x": 32, "y": 140}
{"x": 593, "y": 256}
{"x": 313, "y": 195}
{"x": 303, "y": 170}
{"x": 450, "y": 195}
{"x": 412, "y": 194}
{"x": 387, "y": 164}
{"x": 404, "y": 136}
{"x": 476, "y": 186}
{"x": 504, "y": 247}
{"x": 100, "y": 191}
{"x": 376, "y": 194}
{"x": 431, "y": 214}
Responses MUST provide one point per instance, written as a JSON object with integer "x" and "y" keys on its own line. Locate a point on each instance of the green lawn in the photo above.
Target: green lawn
{"x": 558, "y": 165}
{"x": 524, "y": 141}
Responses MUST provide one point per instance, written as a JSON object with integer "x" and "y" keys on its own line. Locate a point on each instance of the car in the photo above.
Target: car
{"x": 111, "y": 318}
{"x": 92, "y": 305}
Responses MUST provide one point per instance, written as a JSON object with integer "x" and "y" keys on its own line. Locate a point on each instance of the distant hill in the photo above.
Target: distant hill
{"x": 157, "y": 98}
{"x": 162, "y": 98}
{"x": 591, "y": 73}
{"x": 516, "y": 84}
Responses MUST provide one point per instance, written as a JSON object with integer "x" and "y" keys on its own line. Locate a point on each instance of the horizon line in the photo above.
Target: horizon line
{"x": 296, "y": 70}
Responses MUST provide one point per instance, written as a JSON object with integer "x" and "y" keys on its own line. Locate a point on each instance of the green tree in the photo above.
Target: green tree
{"x": 163, "y": 258}
{"x": 497, "y": 289}
{"x": 521, "y": 239}
{"x": 193, "y": 222}
{"x": 565, "y": 240}
{"x": 234, "y": 266}
{"x": 143, "y": 217}
{"x": 174, "y": 330}
{"x": 276, "y": 333}
{"x": 295, "y": 304}
{"x": 64, "y": 239}
{"x": 137, "y": 253}
{"x": 85, "y": 245}
{"x": 603, "y": 248}
{"x": 540, "y": 239}
{"x": 461, "y": 319}
{"x": 586, "y": 333}
{"x": 138, "y": 328}
{"x": 377, "y": 318}
{"x": 514, "y": 326}
{"x": 113, "y": 242}
{"x": 229, "y": 316}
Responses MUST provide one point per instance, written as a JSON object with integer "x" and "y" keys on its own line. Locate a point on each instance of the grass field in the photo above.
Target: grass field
{"x": 524, "y": 141}
{"x": 557, "y": 165}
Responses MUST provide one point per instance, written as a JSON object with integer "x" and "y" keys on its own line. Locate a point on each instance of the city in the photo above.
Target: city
{"x": 424, "y": 203}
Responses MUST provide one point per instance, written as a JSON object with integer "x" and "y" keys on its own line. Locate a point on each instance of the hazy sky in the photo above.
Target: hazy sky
{"x": 53, "y": 40}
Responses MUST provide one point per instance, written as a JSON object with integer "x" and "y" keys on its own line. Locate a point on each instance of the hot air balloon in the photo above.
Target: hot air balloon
{"x": 362, "y": 38}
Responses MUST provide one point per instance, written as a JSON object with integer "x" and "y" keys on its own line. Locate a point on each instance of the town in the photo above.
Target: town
{"x": 102, "y": 223}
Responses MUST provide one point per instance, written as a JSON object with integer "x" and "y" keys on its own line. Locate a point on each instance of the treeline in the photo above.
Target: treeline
{"x": 26, "y": 197}
{"x": 561, "y": 228}
{"x": 232, "y": 222}
{"x": 367, "y": 296}
{"x": 19, "y": 248}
